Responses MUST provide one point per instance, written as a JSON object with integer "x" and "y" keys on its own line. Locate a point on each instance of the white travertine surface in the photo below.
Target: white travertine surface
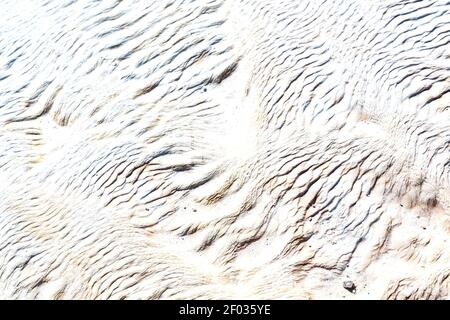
{"x": 187, "y": 149}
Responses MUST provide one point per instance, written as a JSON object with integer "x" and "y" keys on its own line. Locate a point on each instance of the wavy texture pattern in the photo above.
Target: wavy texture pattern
{"x": 224, "y": 149}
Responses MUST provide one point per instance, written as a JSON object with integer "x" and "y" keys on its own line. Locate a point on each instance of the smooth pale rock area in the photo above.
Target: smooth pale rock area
{"x": 222, "y": 149}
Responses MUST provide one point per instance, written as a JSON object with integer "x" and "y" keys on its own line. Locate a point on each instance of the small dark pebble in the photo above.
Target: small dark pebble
{"x": 349, "y": 286}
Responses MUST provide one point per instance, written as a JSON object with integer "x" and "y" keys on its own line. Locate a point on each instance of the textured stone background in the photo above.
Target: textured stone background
{"x": 225, "y": 149}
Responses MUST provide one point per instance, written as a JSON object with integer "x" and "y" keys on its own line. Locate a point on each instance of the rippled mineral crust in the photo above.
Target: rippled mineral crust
{"x": 221, "y": 149}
